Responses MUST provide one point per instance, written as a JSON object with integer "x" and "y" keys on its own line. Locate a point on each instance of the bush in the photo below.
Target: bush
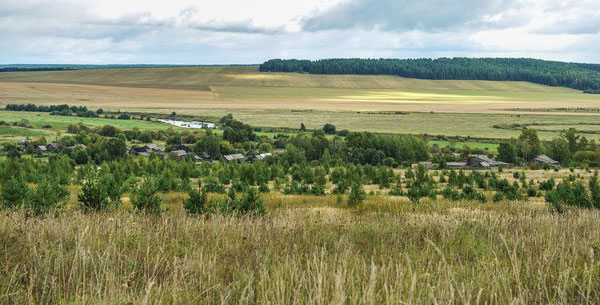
{"x": 81, "y": 157}
{"x": 450, "y": 193}
{"x": 145, "y": 197}
{"x": 213, "y": 185}
{"x": 263, "y": 187}
{"x": 329, "y": 128}
{"x": 469, "y": 193}
{"x": 498, "y": 196}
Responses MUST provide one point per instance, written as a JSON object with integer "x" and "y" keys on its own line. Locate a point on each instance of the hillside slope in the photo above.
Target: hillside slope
{"x": 200, "y": 78}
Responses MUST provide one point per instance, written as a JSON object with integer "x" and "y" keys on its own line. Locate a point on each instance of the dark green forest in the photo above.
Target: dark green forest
{"x": 552, "y": 73}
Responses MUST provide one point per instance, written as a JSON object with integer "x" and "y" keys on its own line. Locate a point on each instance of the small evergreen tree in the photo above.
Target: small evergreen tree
{"x": 196, "y": 203}
{"x": 93, "y": 194}
{"x": 357, "y": 195}
{"x": 251, "y": 203}
{"x": 49, "y": 195}
{"x": 145, "y": 197}
{"x": 14, "y": 192}
{"x": 114, "y": 189}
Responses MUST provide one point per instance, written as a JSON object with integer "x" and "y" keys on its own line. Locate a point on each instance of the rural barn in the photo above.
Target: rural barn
{"x": 542, "y": 160}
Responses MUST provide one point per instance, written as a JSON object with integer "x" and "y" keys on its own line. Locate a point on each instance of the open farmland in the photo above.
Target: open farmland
{"x": 193, "y": 89}
{"x": 353, "y": 102}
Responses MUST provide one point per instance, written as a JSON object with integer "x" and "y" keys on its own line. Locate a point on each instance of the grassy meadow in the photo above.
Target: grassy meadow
{"x": 305, "y": 252}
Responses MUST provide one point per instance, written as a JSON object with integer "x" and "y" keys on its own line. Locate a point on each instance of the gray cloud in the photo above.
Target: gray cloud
{"x": 63, "y": 31}
{"x": 186, "y": 19}
{"x": 587, "y": 23}
{"x": 403, "y": 15}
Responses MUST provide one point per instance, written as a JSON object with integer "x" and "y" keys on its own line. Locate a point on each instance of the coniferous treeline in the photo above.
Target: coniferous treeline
{"x": 551, "y": 73}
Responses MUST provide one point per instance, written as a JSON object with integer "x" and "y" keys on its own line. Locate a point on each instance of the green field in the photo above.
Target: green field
{"x": 475, "y": 125}
{"x": 444, "y": 124}
{"x": 62, "y": 122}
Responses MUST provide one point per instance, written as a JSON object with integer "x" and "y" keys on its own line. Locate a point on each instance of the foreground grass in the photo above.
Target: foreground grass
{"x": 304, "y": 254}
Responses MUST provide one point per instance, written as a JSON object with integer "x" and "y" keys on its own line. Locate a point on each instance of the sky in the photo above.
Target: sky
{"x": 252, "y": 31}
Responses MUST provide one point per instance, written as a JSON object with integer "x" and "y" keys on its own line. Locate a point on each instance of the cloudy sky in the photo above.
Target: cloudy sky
{"x": 251, "y": 31}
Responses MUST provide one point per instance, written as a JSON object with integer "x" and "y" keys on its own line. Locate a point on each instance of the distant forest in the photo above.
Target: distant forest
{"x": 552, "y": 73}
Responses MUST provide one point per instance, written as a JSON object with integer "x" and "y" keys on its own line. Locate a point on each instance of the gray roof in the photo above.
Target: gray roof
{"x": 155, "y": 147}
{"x": 262, "y": 156}
{"x": 544, "y": 159}
{"x": 179, "y": 153}
{"x": 234, "y": 157}
{"x": 486, "y": 161}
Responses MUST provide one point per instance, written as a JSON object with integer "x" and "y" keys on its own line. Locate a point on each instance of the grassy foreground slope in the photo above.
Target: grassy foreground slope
{"x": 429, "y": 254}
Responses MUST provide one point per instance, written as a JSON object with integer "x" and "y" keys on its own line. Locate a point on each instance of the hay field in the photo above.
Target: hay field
{"x": 193, "y": 89}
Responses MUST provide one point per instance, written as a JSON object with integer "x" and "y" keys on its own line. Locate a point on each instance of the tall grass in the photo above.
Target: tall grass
{"x": 303, "y": 254}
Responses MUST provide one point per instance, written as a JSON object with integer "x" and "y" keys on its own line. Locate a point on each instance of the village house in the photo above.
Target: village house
{"x": 484, "y": 162}
{"x": 426, "y": 164}
{"x": 154, "y": 148}
{"x": 52, "y": 147}
{"x": 460, "y": 164}
{"x": 203, "y": 156}
{"x": 182, "y": 147}
{"x": 234, "y": 157}
{"x": 146, "y": 150}
{"x": 136, "y": 151}
{"x": 542, "y": 160}
{"x": 179, "y": 154}
{"x": 41, "y": 149}
{"x": 254, "y": 156}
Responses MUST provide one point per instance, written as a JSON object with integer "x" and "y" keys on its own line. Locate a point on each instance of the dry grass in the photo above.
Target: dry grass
{"x": 305, "y": 253}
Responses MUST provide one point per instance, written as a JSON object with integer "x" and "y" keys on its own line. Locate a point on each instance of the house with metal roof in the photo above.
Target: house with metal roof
{"x": 542, "y": 160}
{"x": 234, "y": 157}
